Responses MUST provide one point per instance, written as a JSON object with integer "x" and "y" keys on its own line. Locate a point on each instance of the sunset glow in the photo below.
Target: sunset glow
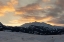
{"x": 18, "y": 12}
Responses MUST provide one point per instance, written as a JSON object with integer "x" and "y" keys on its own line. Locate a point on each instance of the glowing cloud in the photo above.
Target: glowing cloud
{"x": 28, "y": 9}
{"x": 14, "y": 21}
{"x": 1, "y": 15}
{"x": 46, "y": 0}
{"x": 10, "y": 7}
{"x": 49, "y": 11}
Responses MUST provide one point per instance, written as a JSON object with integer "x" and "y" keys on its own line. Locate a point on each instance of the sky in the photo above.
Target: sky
{"x": 18, "y": 12}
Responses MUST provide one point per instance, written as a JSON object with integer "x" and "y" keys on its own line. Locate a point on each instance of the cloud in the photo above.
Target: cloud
{"x": 9, "y": 7}
{"x": 23, "y": 3}
{"x": 14, "y": 21}
{"x": 1, "y": 15}
{"x": 59, "y": 20}
{"x": 31, "y": 8}
{"x": 60, "y": 3}
{"x": 57, "y": 13}
{"x": 33, "y": 12}
{"x": 46, "y": 0}
{"x": 49, "y": 11}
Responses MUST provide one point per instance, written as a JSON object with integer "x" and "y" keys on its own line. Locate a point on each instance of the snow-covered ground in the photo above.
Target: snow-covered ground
{"x": 24, "y": 37}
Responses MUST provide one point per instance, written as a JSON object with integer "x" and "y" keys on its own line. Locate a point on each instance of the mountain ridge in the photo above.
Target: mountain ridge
{"x": 40, "y": 24}
{"x": 36, "y": 24}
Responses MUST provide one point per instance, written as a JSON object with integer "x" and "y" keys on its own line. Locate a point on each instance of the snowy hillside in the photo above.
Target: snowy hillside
{"x": 23, "y": 37}
{"x": 36, "y": 24}
{"x": 40, "y": 24}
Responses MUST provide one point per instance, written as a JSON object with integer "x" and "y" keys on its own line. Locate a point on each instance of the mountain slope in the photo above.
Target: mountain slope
{"x": 36, "y": 24}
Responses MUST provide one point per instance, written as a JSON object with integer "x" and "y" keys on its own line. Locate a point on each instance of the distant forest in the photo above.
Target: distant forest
{"x": 32, "y": 29}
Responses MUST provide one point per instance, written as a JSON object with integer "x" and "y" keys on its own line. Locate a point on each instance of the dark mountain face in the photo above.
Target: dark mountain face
{"x": 1, "y": 26}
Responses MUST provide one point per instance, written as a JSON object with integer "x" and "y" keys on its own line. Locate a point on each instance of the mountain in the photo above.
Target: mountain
{"x": 40, "y": 24}
{"x": 1, "y": 25}
{"x": 36, "y": 24}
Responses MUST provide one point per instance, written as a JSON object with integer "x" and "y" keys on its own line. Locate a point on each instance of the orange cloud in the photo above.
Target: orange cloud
{"x": 46, "y": 0}
{"x": 26, "y": 16}
{"x": 32, "y": 8}
{"x": 47, "y": 19}
{"x": 1, "y": 14}
{"x": 14, "y": 21}
{"x": 33, "y": 18}
{"x": 48, "y": 7}
{"x": 54, "y": 24}
{"x": 7, "y": 9}
{"x": 10, "y": 7}
{"x": 28, "y": 9}
{"x": 30, "y": 13}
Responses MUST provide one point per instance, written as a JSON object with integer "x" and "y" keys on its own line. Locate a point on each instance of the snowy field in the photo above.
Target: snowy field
{"x": 24, "y": 37}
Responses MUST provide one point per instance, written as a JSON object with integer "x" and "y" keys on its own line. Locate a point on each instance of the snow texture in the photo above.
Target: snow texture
{"x": 24, "y": 37}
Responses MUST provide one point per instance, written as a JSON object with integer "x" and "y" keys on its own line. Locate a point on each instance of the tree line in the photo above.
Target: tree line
{"x": 32, "y": 29}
